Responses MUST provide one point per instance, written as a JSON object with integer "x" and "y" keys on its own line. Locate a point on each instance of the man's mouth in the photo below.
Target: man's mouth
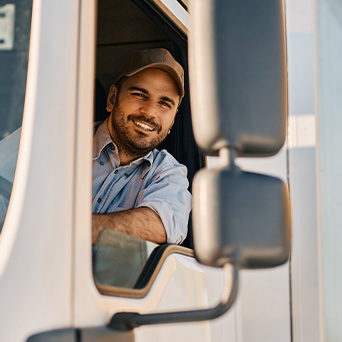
{"x": 144, "y": 125}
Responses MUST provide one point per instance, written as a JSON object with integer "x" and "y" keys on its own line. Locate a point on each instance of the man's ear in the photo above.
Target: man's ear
{"x": 112, "y": 94}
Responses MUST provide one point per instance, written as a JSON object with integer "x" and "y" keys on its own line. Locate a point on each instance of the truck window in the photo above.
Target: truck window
{"x": 15, "y": 23}
{"x": 124, "y": 27}
{"x": 119, "y": 259}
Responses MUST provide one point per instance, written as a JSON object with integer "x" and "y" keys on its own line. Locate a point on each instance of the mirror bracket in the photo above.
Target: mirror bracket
{"x": 124, "y": 321}
{"x": 227, "y": 157}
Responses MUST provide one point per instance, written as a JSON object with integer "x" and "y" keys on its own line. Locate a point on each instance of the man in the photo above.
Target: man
{"x": 137, "y": 189}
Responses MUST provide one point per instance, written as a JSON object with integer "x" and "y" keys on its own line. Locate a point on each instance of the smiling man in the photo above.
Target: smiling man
{"x": 137, "y": 189}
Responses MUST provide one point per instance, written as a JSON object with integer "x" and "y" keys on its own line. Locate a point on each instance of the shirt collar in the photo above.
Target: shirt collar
{"x": 148, "y": 159}
{"x": 102, "y": 138}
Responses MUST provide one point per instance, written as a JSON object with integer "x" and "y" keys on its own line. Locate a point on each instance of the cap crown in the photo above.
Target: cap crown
{"x": 155, "y": 58}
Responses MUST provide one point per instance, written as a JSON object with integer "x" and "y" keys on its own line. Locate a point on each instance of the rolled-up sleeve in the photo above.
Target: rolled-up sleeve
{"x": 167, "y": 195}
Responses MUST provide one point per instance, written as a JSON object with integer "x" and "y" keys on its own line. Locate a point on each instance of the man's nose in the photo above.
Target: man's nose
{"x": 149, "y": 108}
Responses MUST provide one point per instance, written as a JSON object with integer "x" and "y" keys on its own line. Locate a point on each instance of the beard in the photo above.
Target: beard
{"x": 138, "y": 144}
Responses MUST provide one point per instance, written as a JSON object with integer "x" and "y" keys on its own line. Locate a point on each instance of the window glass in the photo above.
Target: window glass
{"x": 119, "y": 259}
{"x": 15, "y": 24}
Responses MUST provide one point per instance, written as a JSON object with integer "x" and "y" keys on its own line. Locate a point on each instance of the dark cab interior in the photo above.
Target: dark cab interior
{"x": 125, "y": 26}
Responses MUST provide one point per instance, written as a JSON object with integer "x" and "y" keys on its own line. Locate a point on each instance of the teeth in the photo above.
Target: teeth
{"x": 142, "y": 125}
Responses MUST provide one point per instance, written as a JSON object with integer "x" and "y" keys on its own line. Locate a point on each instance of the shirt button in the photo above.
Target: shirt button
{"x": 99, "y": 200}
{"x": 126, "y": 174}
{"x": 102, "y": 163}
{"x": 116, "y": 171}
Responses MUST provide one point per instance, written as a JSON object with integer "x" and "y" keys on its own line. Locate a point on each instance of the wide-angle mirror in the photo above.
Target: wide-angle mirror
{"x": 241, "y": 218}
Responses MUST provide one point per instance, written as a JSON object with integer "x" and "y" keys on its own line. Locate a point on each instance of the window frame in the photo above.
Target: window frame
{"x": 164, "y": 15}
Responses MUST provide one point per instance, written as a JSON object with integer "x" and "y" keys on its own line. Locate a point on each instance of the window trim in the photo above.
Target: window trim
{"x": 171, "y": 11}
{"x": 163, "y": 13}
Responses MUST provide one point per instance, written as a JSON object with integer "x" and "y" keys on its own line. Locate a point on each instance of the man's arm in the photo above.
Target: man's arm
{"x": 141, "y": 222}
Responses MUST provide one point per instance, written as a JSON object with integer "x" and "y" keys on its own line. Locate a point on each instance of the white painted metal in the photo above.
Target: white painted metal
{"x": 305, "y": 271}
{"x": 35, "y": 243}
{"x": 329, "y": 118}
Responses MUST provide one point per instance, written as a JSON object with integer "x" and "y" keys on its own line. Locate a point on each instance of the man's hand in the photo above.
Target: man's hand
{"x": 142, "y": 223}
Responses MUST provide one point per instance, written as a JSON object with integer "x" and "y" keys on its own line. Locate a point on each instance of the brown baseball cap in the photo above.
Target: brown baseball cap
{"x": 155, "y": 58}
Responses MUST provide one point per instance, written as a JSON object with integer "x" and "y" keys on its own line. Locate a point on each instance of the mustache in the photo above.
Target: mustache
{"x": 143, "y": 118}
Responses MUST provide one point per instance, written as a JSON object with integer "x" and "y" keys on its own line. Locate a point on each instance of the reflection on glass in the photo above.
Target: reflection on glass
{"x": 8, "y": 158}
{"x": 13, "y": 61}
{"x": 118, "y": 259}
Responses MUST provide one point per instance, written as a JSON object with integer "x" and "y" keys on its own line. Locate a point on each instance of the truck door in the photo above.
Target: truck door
{"x": 171, "y": 278}
{"x": 252, "y": 300}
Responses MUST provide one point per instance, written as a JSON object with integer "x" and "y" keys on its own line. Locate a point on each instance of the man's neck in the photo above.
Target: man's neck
{"x": 126, "y": 158}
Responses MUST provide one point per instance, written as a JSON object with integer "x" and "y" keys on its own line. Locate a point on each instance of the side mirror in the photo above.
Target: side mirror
{"x": 238, "y": 75}
{"x": 240, "y": 218}
{"x": 238, "y": 84}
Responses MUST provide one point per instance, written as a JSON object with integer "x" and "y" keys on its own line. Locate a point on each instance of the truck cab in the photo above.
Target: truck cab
{"x": 59, "y": 60}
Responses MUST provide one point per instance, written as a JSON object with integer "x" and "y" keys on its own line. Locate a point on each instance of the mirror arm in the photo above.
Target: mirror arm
{"x": 130, "y": 320}
{"x": 227, "y": 157}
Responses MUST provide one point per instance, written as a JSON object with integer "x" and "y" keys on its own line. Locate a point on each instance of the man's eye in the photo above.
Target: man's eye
{"x": 138, "y": 95}
{"x": 165, "y": 104}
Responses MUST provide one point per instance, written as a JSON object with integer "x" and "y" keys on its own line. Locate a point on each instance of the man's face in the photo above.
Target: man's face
{"x": 143, "y": 111}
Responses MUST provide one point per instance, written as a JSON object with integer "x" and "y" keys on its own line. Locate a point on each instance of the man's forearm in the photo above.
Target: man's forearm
{"x": 143, "y": 223}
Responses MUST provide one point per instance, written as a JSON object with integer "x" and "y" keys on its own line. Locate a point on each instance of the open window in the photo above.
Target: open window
{"x": 124, "y": 27}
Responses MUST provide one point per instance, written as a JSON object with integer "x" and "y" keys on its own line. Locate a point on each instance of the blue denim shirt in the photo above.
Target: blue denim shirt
{"x": 156, "y": 181}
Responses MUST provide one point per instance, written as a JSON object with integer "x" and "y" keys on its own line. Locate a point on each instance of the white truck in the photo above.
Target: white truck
{"x": 57, "y": 60}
